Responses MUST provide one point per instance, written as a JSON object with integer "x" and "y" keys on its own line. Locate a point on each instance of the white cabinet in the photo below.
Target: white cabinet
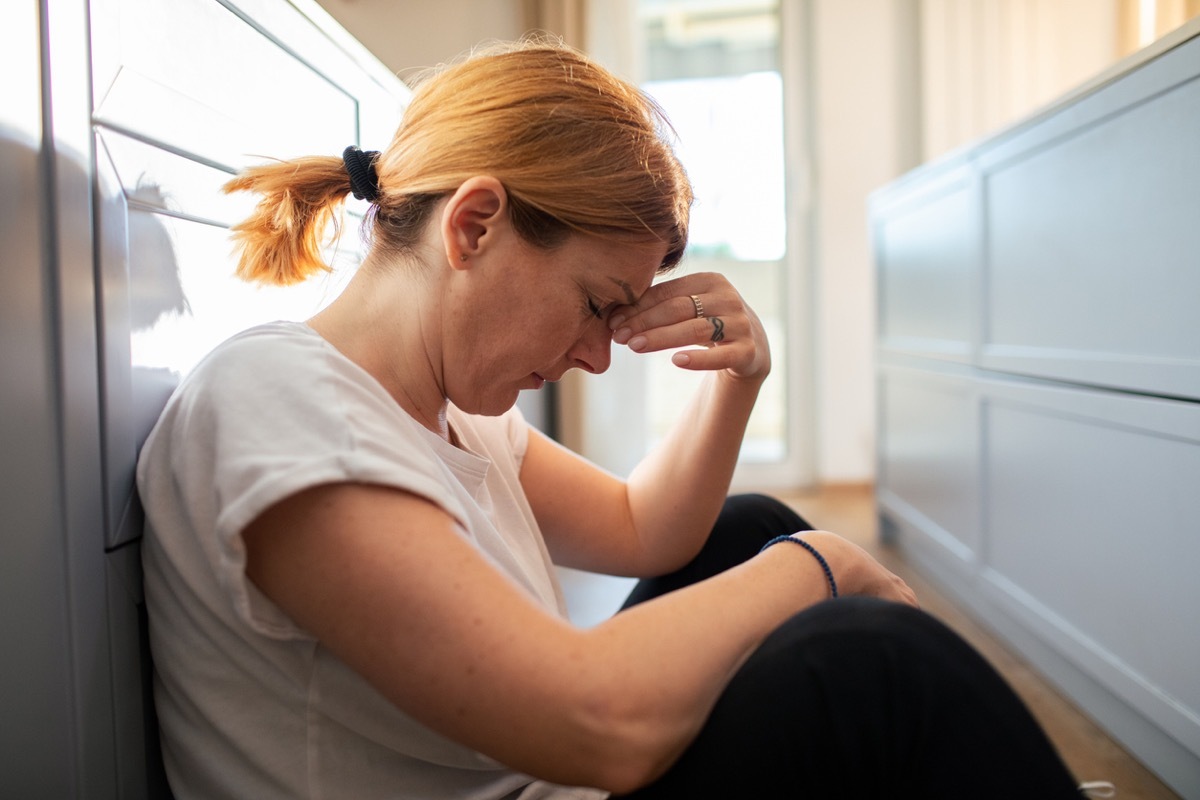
{"x": 1039, "y": 392}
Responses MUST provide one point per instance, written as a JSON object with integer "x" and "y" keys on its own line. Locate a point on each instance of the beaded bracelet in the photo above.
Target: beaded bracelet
{"x": 820, "y": 558}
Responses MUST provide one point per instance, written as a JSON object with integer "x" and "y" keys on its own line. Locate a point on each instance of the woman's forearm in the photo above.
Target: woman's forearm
{"x": 676, "y": 492}
{"x": 665, "y": 662}
{"x": 662, "y": 664}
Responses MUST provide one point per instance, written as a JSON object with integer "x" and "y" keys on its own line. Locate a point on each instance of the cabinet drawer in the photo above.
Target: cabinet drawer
{"x": 1092, "y": 254}
{"x": 1091, "y": 521}
{"x": 927, "y": 251}
{"x": 929, "y": 455}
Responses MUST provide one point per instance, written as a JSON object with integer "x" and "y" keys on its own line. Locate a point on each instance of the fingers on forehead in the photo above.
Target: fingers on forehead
{"x": 654, "y": 313}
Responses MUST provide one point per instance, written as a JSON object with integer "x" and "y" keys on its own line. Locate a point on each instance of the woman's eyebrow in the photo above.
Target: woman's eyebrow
{"x": 630, "y": 298}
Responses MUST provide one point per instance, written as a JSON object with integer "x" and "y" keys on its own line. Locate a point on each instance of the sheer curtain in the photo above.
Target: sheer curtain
{"x": 565, "y": 18}
{"x": 988, "y": 63}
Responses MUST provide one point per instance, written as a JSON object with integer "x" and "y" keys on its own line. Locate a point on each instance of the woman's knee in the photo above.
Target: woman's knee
{"x": 759, "y": 516}
{"x": 745, "y": 524}
{"x": 860, "y": 697}
{"x": 851, "y": 628}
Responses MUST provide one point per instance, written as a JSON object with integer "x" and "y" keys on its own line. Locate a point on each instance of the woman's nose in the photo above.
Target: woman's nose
{"x": 593, "y": 351}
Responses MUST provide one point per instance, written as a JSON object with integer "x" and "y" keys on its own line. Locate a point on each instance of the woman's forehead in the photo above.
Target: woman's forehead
{"x": 625, "y": 268}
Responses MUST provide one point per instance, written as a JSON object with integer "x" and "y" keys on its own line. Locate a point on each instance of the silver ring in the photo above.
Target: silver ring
{"x": 699, "y": 306}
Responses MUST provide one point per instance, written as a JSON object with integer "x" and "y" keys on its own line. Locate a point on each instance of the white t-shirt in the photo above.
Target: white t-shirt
{"x": 249, "y": 704}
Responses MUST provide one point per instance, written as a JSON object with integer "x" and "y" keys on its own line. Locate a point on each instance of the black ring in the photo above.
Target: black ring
{"x": 718, "y": 333}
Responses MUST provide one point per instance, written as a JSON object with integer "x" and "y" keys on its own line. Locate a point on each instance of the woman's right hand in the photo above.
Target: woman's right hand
{"x": 856, "y": 571}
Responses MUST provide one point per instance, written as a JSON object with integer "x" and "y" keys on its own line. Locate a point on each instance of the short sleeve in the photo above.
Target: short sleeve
{"x": 517, "y": 430}
{"x": 269, "y": 416}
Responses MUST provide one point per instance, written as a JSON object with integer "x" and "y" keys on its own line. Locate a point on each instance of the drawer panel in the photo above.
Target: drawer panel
{"x": 929, "y": 455}
{"x": 193, "y": 76}
{"x": 927, "y": 251}
{"x": 1092, "y": 267}
{"x": 1091, "y": 524}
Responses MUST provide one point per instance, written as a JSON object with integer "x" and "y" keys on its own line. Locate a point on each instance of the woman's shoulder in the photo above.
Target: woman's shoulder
{"x": 270, "y": 376}
{"x": 263, "y": 349}
{"x": 279, "y": 360}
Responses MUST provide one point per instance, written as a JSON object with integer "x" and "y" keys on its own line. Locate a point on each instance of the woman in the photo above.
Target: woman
{"x": 351, "y": 530}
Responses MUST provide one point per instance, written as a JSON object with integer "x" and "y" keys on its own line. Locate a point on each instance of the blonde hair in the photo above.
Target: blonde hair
{"x": 576, "y": 148}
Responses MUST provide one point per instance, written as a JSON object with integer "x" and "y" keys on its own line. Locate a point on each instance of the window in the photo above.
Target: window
{"x": 715, "y": 68}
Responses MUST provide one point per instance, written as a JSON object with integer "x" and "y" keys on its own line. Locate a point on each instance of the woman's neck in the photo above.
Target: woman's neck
{"x": 385, "y": 322}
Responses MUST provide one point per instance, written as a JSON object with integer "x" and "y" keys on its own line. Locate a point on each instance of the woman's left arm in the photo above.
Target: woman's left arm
{"x": 658, "y": 519}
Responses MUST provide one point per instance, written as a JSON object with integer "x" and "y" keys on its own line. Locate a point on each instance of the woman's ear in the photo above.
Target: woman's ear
{"x": 473, "y": 218}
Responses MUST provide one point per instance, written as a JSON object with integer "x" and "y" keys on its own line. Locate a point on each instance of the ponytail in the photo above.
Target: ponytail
{"x": 281, "y": 241}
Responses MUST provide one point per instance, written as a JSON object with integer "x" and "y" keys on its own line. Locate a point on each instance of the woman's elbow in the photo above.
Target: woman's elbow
{"x": 636, "y": 743}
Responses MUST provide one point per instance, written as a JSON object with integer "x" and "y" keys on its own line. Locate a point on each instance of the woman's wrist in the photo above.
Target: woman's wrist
{"x": 796, "y": 540}
{"x": 755, "y": 379}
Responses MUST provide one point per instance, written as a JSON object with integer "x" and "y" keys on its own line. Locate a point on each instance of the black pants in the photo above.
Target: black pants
{"x": 853, "y": 698}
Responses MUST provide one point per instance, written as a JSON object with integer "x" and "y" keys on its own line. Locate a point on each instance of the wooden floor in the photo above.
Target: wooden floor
{"x": 1088, "y": 752}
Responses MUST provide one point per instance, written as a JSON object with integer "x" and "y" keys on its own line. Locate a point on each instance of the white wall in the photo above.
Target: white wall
{"x": 863, "y": 58}
{"x": 409, "y": 35}
{"x": 987, "y": 63}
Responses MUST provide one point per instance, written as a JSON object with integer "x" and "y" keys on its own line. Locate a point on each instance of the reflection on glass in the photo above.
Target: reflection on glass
{"x": 214, "y": 304}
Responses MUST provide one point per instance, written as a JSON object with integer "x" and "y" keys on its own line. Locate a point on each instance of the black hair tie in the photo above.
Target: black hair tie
{"x": 360, "y": 166}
